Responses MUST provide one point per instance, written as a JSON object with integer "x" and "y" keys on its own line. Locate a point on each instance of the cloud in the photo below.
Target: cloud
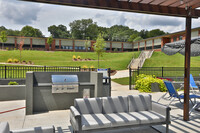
{"x": 16, "y": 14}
{"x": 19, "y": 12}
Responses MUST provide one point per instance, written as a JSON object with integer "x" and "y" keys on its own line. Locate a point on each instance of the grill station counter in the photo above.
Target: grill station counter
{"x": 47, "y": 91}
{"x": 65, "y": 84}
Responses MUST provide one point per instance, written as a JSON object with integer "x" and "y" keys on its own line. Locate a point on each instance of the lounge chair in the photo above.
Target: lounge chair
{"x": 173, "y": 93}
{"x": 192, "y": 84}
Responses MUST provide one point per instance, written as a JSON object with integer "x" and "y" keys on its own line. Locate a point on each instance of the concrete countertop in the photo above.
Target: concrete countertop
{"x": 50, "y": 84}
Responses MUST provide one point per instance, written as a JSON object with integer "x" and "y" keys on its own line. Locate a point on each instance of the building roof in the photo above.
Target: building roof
{"x": 167, "y": 35}
{"x": 160, "y": 7}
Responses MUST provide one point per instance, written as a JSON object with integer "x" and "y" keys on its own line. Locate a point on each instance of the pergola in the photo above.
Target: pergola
{"x": 177, "y": 8}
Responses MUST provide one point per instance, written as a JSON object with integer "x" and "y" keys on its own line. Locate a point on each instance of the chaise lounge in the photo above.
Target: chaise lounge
{"x": 99, "y": 114}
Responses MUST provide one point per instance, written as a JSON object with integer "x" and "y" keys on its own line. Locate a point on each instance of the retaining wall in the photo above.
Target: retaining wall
{"x": 12, "y": 92}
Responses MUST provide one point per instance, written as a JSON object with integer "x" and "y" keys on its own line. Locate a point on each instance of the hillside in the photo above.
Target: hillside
{"x": 160, "y": 59}
{"x": 116, "y": 61}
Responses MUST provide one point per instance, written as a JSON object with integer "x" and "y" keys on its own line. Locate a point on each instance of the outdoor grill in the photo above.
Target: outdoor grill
{"x": 65, "y": 84}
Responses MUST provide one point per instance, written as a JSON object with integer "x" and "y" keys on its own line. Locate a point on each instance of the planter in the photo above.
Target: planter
{"x": 155, "y": 87}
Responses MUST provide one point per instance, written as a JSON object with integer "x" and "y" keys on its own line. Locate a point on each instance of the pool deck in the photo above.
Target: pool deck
{"x": 60, "y": 119}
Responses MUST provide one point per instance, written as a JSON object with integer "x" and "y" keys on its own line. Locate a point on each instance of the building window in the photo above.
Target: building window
{"x": 180, "y": 37}
{"x": 174, "y": 39}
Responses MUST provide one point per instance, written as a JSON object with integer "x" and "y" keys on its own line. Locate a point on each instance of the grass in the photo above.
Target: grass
{"x": 122, "y": 81}
{"x": 115, "y": 61}
{"x": 159, "y": 59}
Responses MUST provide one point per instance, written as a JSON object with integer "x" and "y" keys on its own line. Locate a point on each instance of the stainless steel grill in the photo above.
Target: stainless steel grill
{"x": 65, "y": 84}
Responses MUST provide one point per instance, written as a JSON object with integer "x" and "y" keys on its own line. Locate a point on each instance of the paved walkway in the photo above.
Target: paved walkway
{"x": 121, "y": 74}
{"x": 60, "y": 119}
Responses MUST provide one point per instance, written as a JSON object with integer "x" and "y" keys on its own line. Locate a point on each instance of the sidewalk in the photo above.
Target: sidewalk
{"x": 121, "y": 74}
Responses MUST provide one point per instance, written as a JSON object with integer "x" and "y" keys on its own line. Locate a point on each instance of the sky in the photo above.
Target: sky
{"x": 15, "y": 14}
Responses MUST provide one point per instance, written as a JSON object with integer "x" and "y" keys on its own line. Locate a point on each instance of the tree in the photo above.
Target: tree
{"x": 21, "y": 44}
{"x": 120, "y": 33}
{"x": 3, "y": 38}
{"x": 132, "y": 37}
{"x": 143, "y": 34}
{"x": 137, "y": 38}
{"x": 156, "y": 32}
{"x": 50, "y": 40}
{"x": 2, "y": 28}
{"x": 87, "y": 43}
{"x": 99, "y": 46}
{"x": 80, "y": 29}
{"x": 29, "y": 31}
{"x": 59, "y": 31}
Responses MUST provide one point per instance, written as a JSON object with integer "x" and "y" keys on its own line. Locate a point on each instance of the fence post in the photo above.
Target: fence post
{"x": 45, "y": 68}
{"x": 162, "y": 71}
{"x": 5, "y": 71}
{"x": 130, "y": 78}
{"x": 109, "y": 71}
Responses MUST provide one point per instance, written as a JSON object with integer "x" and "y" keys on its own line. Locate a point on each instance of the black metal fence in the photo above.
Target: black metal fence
{"x": 174, "y": 73}
{"x": 14, "y": 72}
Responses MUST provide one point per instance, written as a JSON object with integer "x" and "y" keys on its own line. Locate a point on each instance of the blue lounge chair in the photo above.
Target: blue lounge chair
{"x": 173, "y": 93}
{"x": 192, "y": 83}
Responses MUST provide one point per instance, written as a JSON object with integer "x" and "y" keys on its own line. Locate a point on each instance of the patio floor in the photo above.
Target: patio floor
{"x": 60, "y": 119}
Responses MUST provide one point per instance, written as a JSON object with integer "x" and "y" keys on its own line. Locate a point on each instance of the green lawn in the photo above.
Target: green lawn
{"x": 115, "y": 61}
{"x": 160, "y": 59}
{"x": 122, "y": 81}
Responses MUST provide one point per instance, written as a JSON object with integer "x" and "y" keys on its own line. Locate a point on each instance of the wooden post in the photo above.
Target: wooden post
{"x": 73, "y": 45}
{"x": 16, "y": 42}
{"x": 152, "y": 44}
{"x": 172, "y": 39}
{"x": 199, "y": 32}
{"x": 187, "y": 66}
{"x": 59, "y": 44}
{"x": 31, "y": 43}
{"x": 122, "y": 47}
{"x": 162, "y": 42}
{"x": 46, "y": 45}
{"x": 110, "y": 46}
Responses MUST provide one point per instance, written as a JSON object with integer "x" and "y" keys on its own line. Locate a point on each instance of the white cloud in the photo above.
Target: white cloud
{"x": 16, "y": 14}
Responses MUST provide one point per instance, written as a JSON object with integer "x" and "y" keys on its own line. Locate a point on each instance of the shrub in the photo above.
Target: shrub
{"x": 74, "y": 57}
{"x": 7, "y": 48}
{"x": 85, "y": 67}
{"x": 143, "y": 83}
{"x": 13, "y": 83}
{"x": 10, "y": 60}
{"x": 30, "y": 62}
{"x": 24, "y": 62}
{"x": 15, "y": 60}
{"x": 78, "y": 57}
{"x": 115, "y": 50}
{"x": 91, "y": 67}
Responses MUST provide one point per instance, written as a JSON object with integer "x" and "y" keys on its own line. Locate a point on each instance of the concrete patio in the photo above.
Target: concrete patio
{"x": 60, "y": 119}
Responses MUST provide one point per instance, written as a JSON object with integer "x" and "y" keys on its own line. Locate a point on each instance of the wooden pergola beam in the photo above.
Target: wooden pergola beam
{"x": 125, "y": 6}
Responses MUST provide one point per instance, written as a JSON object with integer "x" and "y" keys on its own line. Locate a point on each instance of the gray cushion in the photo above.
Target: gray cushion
{"x": 88, "y": 105}
{"x": 115, "y": 104}
{"x": 120, "y": 119}
{"x": 139, "y": 103}
{"x": 4, "y": 127}
{"x": 94, "y": 121}
{"x": 146, "y": 117}
{"x": 36, "y": 130}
